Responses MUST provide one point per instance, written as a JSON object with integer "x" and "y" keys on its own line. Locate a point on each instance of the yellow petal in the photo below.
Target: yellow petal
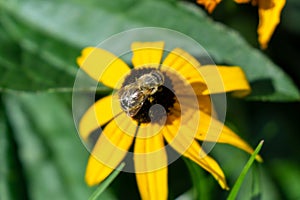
{"x": 212, "y": 130}
{"x": 206, "y": 79}
{"x": 183, "y": 92}
{"x": 109, "y": 150}
{"x": 209, "y": 4}
{"x": 147, "y": 53}
{"x": 269, "y": 17}
{"x": 220, "y": 79}
{"x": 150, "y": 161}
{"x": 97, "y": 115}
{"x": 205, "y": 104}
{"x": 103, "y": 66}
{"x": 206, "y": 128}
{"x": 180, "y": 138}
{"x": 203, "y": 101}
{"x": 93, "y": 171}
{"x": 184, "y": 63}
{"x": 189, "y": 95}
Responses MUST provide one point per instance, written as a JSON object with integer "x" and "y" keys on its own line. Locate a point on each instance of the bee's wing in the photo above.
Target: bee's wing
{"x": 119, "y": 94}
{"x": 123, "y": 92}
{"x": 131, "y": 98}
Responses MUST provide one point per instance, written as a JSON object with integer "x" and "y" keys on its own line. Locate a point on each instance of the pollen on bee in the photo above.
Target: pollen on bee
{"x": 150, "y": 99}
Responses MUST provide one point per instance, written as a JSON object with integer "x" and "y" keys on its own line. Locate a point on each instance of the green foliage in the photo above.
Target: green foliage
{"x": 287, "y": 175}
{"x": 5, "y": 181}
{"x": 103, "y": 186}
{"x": 50, "y": 151}
{"x": 43, "y": 29}
{"x": 202, "y": 184}
{"x": 234, "y": 191}
{"x": 41, "y": 156}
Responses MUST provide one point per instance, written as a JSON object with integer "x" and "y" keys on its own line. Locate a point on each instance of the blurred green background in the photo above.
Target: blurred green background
{"x": 41, "y": 155}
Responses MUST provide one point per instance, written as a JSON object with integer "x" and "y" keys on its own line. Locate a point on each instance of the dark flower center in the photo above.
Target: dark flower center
{"x": 148, "y": 103}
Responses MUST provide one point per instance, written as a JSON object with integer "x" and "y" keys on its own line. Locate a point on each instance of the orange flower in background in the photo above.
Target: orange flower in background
{"x": 209, "y": 4}
{"x": 180, "y": 121}
{"x": 269, "y": 16}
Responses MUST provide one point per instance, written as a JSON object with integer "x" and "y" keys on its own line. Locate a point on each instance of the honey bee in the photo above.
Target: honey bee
{"x": 133, "y": 95}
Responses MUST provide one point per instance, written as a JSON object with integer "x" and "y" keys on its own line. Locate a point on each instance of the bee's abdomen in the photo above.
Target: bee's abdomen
{"x": 131, "y": 100}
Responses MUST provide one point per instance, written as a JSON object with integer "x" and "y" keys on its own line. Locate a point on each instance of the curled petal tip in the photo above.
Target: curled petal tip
{"x": 259, "y": 159}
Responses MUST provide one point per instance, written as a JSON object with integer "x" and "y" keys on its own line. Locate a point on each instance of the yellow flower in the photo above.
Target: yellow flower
{"x": 180, "y": 120}
{"x": 269, "y": 16}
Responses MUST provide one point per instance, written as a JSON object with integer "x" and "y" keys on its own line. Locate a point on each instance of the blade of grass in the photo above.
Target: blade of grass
{"x": 233, "y": 193}
{"x": 106, "y": 183}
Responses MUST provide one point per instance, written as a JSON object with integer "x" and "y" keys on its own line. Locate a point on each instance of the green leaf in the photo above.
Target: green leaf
{"x": 30, "y": 61}
{"x": 50, "y": 150}
{"x": 4, "y": 155}
{"x": 103, "y": 186}
{"x": 287, "y": 175}
{"x": 234, "y": 191}
{"x": 43, "y": 64}
{"x": 12, "y": 182}
{"x": 290, "y": 18}
{"x": 22, "y": 70}
{"x": 4, "y": 146}
{"x": 8, "y": 51}
{"x": 202, "y": 184}
{"x": 94, "y": 21}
